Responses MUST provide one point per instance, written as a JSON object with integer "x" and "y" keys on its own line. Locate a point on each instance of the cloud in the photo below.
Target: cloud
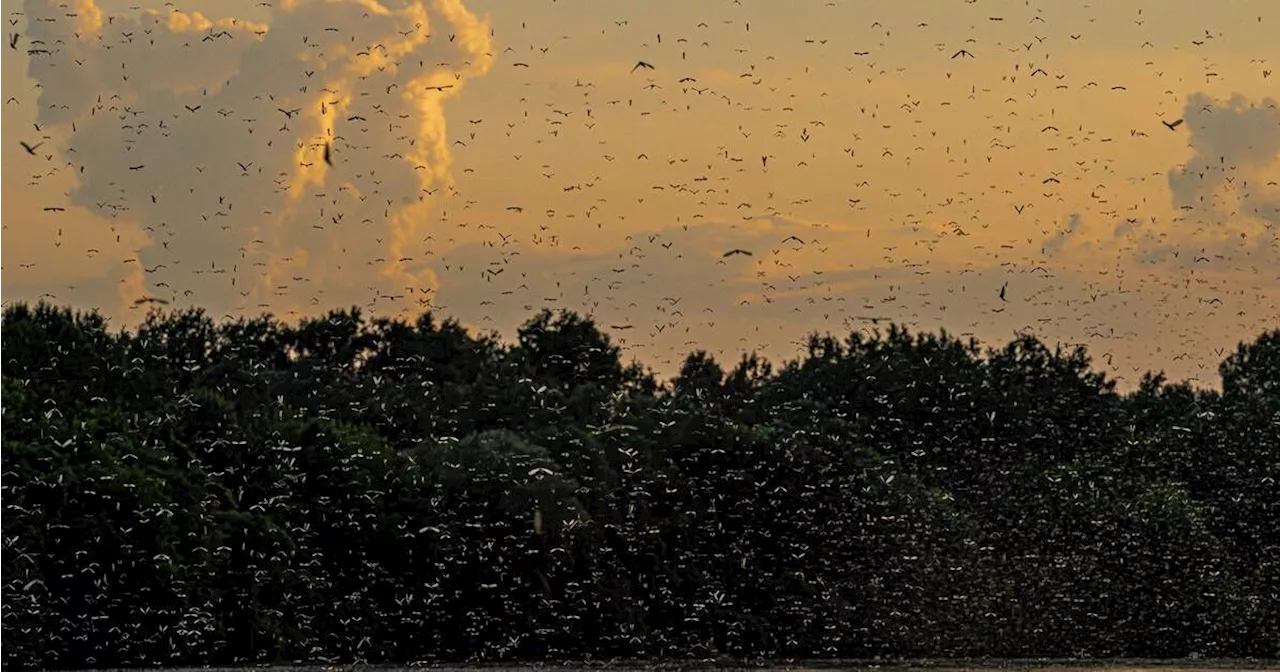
{"x": 210, "y": 133}
{"x": 1056, "y": 242}
{"x": 664, "y": 291}
{"x": 1236, "y": 148}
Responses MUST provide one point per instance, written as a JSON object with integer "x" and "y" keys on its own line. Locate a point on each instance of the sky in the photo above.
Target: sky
{"x": 987, "y": 167}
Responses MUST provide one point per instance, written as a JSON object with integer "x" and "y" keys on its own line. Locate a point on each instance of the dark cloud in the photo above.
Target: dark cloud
{"x": 672, "y": 299}
{"x": 1059, "y": 239}
{"x": 1237, "y": 152}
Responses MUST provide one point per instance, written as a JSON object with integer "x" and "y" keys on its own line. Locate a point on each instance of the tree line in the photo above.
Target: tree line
{"x": 344, "y": 489}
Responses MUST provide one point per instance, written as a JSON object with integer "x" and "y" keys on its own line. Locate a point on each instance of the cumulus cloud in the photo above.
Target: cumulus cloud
{"x": 1236, "y": 162}
{"x": 211, "y": 133}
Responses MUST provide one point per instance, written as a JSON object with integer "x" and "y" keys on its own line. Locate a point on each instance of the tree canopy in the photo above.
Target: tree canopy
{"x": 345, "y": 489}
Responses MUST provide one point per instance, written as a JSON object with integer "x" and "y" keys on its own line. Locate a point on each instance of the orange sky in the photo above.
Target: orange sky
{"x": 550, "y": 174}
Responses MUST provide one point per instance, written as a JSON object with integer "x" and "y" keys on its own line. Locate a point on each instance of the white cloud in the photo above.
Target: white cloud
{"x": 210, "y": 133}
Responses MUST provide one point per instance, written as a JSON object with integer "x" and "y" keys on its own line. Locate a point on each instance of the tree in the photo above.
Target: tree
{"x": 352, "y": 491}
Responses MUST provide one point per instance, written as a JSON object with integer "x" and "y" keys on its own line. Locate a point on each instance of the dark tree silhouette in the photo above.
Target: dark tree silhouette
{"x": 349, "y": 490}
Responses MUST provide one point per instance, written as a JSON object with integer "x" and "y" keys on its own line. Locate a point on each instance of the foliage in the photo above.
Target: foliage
{"x": 382, "y": 491}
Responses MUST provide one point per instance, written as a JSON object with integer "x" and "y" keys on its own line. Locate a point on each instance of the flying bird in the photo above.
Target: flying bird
{"x": 732, "y": 252}
{"x": 1171, "y": 125}
{"x": 641, "y": 64}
